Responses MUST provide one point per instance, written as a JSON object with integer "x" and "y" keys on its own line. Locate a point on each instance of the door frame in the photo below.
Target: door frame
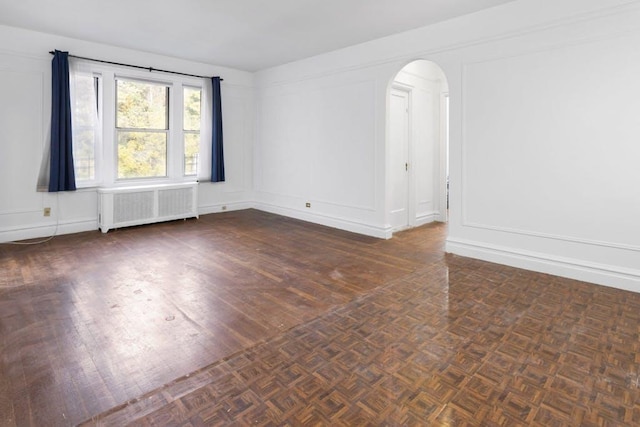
{"x": 443, "y": 145}
{"x": 411, "y": 196}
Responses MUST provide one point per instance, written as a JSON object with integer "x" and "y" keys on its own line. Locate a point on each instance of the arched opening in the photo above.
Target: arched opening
{"x": 417, "y": 146}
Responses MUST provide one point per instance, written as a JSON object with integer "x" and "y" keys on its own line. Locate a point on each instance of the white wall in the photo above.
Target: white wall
{"x": 548, "y": 176}
{"x": 544, "y": 102}
{"x": 314, "y": 146}
{"x": 544, "y": 105}
{"x": 25, "y": 75}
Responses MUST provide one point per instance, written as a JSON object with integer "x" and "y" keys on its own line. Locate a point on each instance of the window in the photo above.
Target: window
{"x": 134, "y": 128}
{"x": 142, "y": 129}
{"x": 86, "y": 128}
{"x": 191, "y": 129}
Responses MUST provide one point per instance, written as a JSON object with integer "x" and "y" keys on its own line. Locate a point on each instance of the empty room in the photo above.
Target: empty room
{"x": 368, "y": 212}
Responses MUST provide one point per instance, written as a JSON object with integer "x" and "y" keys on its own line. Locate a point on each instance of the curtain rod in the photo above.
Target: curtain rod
{"x": 136, "y": 66}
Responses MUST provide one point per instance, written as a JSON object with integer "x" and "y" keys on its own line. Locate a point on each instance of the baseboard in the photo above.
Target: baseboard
{"x": 601, "y": 274}
{"x": 44, "y": 230}
{"x": 39, "y": 231}
{"x": 224, "y": 207}
{"x": 427, "y": 218}
{"x": 329, "y": 221}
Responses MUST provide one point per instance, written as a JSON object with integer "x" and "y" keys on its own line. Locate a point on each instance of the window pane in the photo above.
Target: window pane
{"x": 191, "y": 125}
{"x": 191, "y": 149}
{"x": 84, "y": 154}
{"x": 142, "y": 154}
{"x": 142, "y": 105}
{"x": 85, "y": 107}
{"x": 85, "y": 125}
{"x": 191, "y": 108}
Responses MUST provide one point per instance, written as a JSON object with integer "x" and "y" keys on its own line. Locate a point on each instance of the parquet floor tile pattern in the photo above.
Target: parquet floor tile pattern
{"x": 328, "y": 328}
{"x": 471, "y": 343}
{"x": 89, "y": 321}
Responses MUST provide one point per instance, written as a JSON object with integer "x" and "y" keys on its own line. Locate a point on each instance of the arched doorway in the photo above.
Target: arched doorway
{"x": 417, "y": 138}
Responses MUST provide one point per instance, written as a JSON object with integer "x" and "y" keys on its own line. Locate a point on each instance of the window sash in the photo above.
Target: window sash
{"x": 152, "y": 158}
{"x": 167, "y": 102}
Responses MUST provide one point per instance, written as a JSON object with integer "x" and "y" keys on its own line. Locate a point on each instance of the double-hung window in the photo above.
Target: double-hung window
{"x": 142, "y": 129}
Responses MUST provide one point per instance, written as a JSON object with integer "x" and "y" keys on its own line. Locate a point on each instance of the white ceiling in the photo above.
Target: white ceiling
{"x": 245, "y": 34}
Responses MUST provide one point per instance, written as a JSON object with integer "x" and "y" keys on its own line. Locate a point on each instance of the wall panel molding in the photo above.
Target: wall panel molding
{"x": 303, "y": 199}
{"x": 632, "y": 6}
{"x": 466, "y": 69}
{"x": 45, "y": 230}
{"x": 602, "y": 274}
{"x": 327, "y": 220}
{"x": 557, "y": 237}
{"x": 426, "y": 218}
{"x": 225, "y": 207}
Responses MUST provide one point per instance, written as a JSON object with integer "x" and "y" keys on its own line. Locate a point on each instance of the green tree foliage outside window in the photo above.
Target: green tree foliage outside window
{"x": 142, "y": 124}
{"x": 191, "y": 127}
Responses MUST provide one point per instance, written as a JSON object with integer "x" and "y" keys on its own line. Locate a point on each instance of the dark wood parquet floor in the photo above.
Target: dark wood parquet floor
{"x": 249, "y": 318}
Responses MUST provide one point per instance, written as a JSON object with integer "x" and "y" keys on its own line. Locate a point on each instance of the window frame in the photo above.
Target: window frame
{"x": 166, "y": 131}
{"x": 191, "y": 132}
{"x": 106, "y": 150}
{"x": 98, "y": 137}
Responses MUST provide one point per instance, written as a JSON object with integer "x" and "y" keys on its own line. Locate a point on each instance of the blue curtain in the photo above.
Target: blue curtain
{"x": 62, "y": 175}
{"x": 217, "y": 155}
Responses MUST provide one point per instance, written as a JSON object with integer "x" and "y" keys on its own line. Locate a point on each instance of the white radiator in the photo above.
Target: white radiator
{"x": 127, "y": 206}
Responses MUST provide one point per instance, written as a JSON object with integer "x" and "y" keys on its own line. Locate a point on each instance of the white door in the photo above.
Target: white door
{"x": 399, "y": 167}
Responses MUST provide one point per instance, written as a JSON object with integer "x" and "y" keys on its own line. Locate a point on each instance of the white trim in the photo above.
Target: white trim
{"x": 601, "y": 243}
{"x": 426, "y": 218}
{"x": 416, "y": 75}
{"x": 20, "y": 211}
{"x": 443, "y": 157}
{"x": 43, "y": 230}
{"x": 601, "y": 274}
{"x": 321, "y": 201}
{"x": 410, "y": 202}
{"x": 400, "y": 86}
{"x": 327, "y": 220}
{"x": 224, "y": 207}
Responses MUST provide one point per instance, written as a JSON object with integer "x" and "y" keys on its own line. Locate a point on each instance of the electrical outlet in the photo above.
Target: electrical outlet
{"x": 47, "y": 212}
{"x": 308, "y": 204}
